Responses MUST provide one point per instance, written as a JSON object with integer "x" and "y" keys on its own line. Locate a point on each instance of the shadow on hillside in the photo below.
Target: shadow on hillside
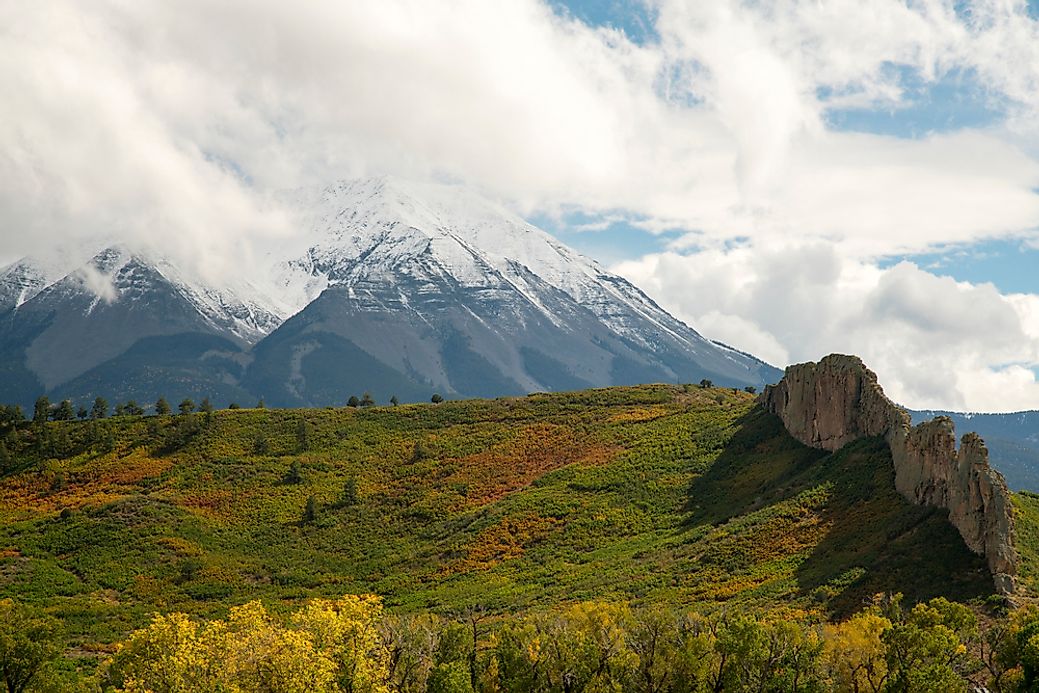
{"x": 860, "y": 536}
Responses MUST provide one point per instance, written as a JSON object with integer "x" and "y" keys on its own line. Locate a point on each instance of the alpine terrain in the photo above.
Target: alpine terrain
{"x": 397, "y": 289}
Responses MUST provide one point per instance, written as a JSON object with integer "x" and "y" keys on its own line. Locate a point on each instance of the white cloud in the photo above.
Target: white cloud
{"x": 934, "y": 342}
{"x": 169, "y": 123}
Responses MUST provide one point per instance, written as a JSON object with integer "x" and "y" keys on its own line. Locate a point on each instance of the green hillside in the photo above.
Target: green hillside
{"x": 678, "y": 495}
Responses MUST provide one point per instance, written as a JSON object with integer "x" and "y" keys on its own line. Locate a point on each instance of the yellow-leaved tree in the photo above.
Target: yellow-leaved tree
{"x": 329, "y": 646}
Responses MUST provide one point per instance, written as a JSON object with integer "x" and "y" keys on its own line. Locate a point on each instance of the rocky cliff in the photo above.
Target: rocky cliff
{"x": 838, "y": 400}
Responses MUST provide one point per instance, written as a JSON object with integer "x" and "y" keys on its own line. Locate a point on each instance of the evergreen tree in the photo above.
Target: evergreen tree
{"x": 750, "y": 389}
{"x": 394, "y": 401}
{"x": 205, "y": 406}
{"x": 350, "y": 496}
{"x": 82, "y": 413}
{"x": 64, "y": 411}
{"x": 233, "y": 405}
{"x": 11, "y": 415}
{"x": 353, "y": 401}
{"x": 100, "y": 408}
{"x": 120, "y": 410}
{"x": 260, "y": 404}
{"x": 132, "y": 409}
{"x": 41, "y": 411}
{"x": 367, "y": 400}
{"x": 310, "y": 512}
{"x": 295, "y": 474}
{"x": 436, "y": 398}
{"x": 186, "y": 406}
{"x": 162, "y": 407}
{"x": 705, "y": 383}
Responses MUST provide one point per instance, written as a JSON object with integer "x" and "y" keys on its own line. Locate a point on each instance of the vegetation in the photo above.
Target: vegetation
{"x": 685, "y": 501}
{"x": 352, "y": 644}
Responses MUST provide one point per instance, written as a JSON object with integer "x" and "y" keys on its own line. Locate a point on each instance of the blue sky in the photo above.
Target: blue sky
{"x": 955, "y": 101}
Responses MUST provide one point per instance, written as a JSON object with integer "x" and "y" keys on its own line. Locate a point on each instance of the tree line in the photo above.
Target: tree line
{"x": 65, "y": 410}
{"x": 352, "y": 644}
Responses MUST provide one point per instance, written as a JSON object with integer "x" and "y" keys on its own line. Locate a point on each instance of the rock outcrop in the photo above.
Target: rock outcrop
{"x": 838, "y": 400}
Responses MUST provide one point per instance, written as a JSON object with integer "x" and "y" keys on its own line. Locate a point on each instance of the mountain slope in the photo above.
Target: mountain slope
{"x": 457, "y": 295}
{"x": 660, "y": 494}
{"x": 74, "y": 338}
{"x": 389, "y": 287}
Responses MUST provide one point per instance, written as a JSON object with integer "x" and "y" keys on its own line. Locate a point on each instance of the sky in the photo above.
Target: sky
{"x": 791, "y": 177}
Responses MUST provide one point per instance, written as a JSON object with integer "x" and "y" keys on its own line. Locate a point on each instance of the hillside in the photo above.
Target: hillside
{"x": 672, "y": 494}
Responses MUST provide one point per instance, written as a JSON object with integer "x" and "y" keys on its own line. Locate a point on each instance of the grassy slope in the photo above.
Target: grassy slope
{"x": 648, "y": 493}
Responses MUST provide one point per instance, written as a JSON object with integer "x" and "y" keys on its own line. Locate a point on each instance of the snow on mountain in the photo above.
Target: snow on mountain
{"x": 436, "y": 282}
{"x": 365, "y": 228}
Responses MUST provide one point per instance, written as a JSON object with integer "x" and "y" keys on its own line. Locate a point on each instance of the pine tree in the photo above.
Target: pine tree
{"x": 41, "y": 411}
{"x": 436, "y": 398}
{"x": 310, "y": 512}
{"x": 132, "y": 409}
{"x": 353, "y": 401}
{"x": 260, "y": 404}
{"x": 186, "y": 406}
{"x": 367, "y": 400}
{"x": 350, "y": 496}
{"x": 162, "y": 407}
{"x": 205, "y": 406}
{"x": 295, "y": 474}
{"x": 82, "y": 413}
{"x": 64, "y": 411}
{"x": 100, "y": 408}
{"x": 394, "y": 401}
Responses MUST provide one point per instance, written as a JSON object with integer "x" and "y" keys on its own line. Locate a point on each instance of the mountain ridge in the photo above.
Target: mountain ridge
{"x": 391, "y": 287}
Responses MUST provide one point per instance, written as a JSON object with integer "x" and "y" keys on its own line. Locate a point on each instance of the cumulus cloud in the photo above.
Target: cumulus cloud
{"x": 170, "y": 124}
{"x": 934, "y": 342}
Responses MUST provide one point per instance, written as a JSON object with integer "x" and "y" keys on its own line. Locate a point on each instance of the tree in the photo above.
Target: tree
{"x": 295, "y": 473}
{"x": 260, "y": 445}
{"x": 132, "y": 409}
{"x": 64, "y": 411}
{"x": 367, "y": 400}
{"x": 41, "y": 411}
{"x": 350, "y": 496}
{"x": 353, "y": 401}
{"x": 233, "y": 405}
{"x": 705, "y": 383}
{"x": 436, "y": 398}
{"x": 310, "y": 511}
{"x": 260, "y": 404}
{"x": 393, "y": 400}
{"x": 120, "y": 410}
{"x": 100, "y": 408}
{"x": 186, "y": 406}
{"x": 29, "y": 642}
{"x": 11, "y": 415}
{"x": 205, "y": 406}
{"x": 82, "y": 413}
{"x": 750, "y": 389}
{"x": 162, "y": 407}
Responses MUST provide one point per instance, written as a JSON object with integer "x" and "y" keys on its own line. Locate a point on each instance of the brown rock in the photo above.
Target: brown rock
{"x": 838, "y": 400}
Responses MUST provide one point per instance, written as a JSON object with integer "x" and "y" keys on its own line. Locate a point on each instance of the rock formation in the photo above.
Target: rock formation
{"x": 838, "y": 400}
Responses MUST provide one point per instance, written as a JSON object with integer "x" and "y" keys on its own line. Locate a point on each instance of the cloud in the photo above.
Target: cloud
{"x": 169, "y": 125}
{"x": 172, "y": 122}
{"x": 934, "y": 342}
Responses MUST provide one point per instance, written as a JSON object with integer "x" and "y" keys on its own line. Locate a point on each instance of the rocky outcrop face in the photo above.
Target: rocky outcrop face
{"x": 838, "y": 400}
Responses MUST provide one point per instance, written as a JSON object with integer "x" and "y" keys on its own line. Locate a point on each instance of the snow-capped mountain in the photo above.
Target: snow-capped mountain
{"x": 389, "y": 286}
{"x": 120, "y": 300}
{"x": 451, "y": 292}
